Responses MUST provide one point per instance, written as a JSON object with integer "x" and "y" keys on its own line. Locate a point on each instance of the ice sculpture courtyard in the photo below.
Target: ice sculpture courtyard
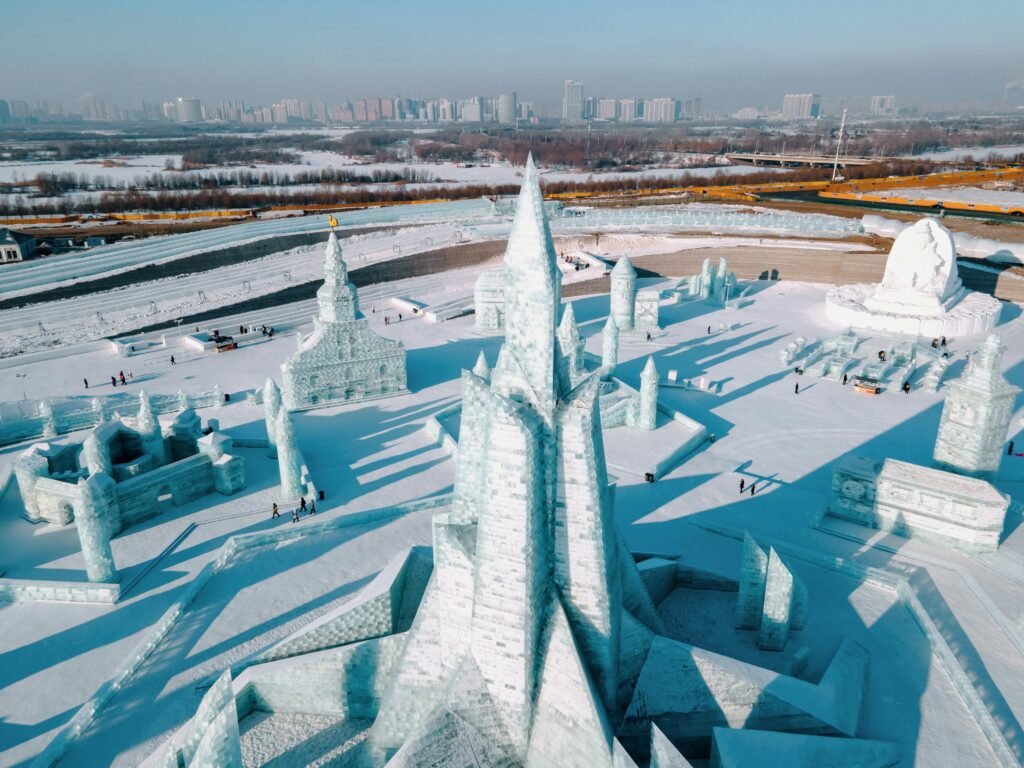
{"x": 598, "y": 501}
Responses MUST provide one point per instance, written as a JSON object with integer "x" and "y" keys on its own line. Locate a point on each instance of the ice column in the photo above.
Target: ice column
{"x": 610, "y": 347}
{"x": 29, "y": 467}
{"x": 623, "y": 293}
{"x": 49, "y": 420}
{"x": 976, "y": 415}
{"x": 288, "y": 463}
{"x": 648, "y": 410}
{"x": 95, "y": 455}
{"x": 753, "y": 572}
{"x": 570, "y": 341}
{"x": 93, "y": 528}
{"x": 271, "y": 406}
{"x": 149, "y": 430}
{"x": 778, "y": 605}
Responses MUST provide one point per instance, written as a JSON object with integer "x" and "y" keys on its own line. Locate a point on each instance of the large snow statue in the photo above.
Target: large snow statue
{"x": 976, "y": 415}
{"x": 920, "y": 273}
{"x": 342, "y": 360}
{"x": 920, "y": 293}
{"x": 623, "y": 293}
{"x": 288, "y": 463}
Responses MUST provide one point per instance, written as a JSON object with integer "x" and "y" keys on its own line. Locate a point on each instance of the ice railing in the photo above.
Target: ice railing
{"x": 703, "y": 218}
{"x": 42, "y": 419}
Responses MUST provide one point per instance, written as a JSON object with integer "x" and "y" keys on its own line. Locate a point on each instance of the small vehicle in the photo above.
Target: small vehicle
{"x": 866, "y": 385}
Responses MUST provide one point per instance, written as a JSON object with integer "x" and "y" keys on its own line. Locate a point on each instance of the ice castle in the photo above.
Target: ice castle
{"x": 343, "y": 359}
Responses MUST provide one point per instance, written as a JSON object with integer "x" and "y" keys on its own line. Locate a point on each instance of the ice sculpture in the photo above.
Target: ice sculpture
{"x": 610, "y": 347}
{"x": 49, "y": 419}
{"x": 489, "y": 300}
{"x": 771, "y": 599}
{"x": 342, "y": 360}
{"x": 93, "y": 528}
{"x": 481, "y": 369}
{"x": 646, "y": 310}
{"x": 534, "y": 640}
{"x": 919, "y": 502}
{"x": 149, "y": 430}
{"x": 288, "y": 463}
{"x": 271, "y": 407}
{"x": 976, "y": 415}
{"x": 212, "y": 739}
{"x": 645, "y": 408}
{"x": 571, "y": 341}
{"x": 623, "y": 293}
{"x": 920, "y": 293}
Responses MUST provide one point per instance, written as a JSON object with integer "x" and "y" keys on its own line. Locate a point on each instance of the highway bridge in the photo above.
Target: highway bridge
{"x": 794, "y": 160}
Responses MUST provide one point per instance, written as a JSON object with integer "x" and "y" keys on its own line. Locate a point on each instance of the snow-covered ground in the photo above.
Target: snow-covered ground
{"x": 376, "y": 455}
{"x": 973, "y": 195}
{"x": 978, "y": 153}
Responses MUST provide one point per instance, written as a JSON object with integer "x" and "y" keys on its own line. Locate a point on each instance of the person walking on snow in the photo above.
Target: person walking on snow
{"x": 753, "y": 488}
{"x": 742, "y": 483}
{"x": 172, "y": 359}
{"x": 113, "y": 381}
{"x": 796, "y": 389}
{"x": 312, "y": 506}
{"x": 1009, "y": 449}
{"x": 275, "y": 512}
{"x": 302, "y": 503}
{"x": 295, "y": 515}
{"x": 86, "y": 382}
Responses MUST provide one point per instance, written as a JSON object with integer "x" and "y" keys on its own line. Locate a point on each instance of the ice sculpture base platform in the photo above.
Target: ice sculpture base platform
{"x": 975, "y": 314}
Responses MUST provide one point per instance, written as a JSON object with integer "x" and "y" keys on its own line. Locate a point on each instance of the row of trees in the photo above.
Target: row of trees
{"x": 57, "y": 184}
{"x": 220, "y": 199}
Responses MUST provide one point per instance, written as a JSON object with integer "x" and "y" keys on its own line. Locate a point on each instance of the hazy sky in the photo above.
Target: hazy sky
{"x": 732, "y": 53}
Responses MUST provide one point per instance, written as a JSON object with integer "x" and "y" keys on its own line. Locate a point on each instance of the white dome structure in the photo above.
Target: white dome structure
{"x": 920, "y": 293}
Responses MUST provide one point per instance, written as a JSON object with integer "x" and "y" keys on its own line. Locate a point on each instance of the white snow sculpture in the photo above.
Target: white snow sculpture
{"x": 623, "y": 293}
{"x": 288, "y": 463}
{"x": 919, "y": 502}
{"x": 271, "y": 407}
{"x": 571, "y": 341}
{"x": 343, "y": 359}
{"x": 920, "y": 292}
{"x": 610, "y": 347}
{"x": 91, "y": 520}
{"x": 976, "y": 415}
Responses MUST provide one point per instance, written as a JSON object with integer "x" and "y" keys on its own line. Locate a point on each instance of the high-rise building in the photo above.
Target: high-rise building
{"x": 800, "y": 106}
{"x": 607, "y": 109}
{"x": 188, "y": 110}
{"x": 628, "y": 110}
{"x": 507, "y": 108}
{"x": 472, "y": 110}
{"x": 589, "y": 108}
{"x": 572, "y": 102}
{"x": 883, "y": 105}
{"x": 5, "y": 111}
{"x": 661, "y": 110}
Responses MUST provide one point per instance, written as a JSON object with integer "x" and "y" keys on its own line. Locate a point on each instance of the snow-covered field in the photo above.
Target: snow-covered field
{"x": 974, "y": 195}
{"x": 376, "y": 455}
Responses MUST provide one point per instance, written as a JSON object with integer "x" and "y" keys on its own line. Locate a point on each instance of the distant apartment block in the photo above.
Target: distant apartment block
{"x": 507, "y": 108}
{"x": 607, "y": 109}
{"x": 801, "y": 106}
{"x": 572, "y": 102}
{"x": 661, "y": 110}
{"x": 883, "y": 105}
{"x": 188, "y": 110}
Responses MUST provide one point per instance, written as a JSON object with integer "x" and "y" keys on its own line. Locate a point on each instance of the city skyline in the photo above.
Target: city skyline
{"x": 258, "y": 52}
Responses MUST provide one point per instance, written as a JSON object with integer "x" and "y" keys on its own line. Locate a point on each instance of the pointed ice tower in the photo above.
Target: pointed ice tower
{"x": 271, "y": 407}
{"x": 623, "y": 293}
{"x": 976, "y": 415}
{"x": 570, "y": 341}
{"x": 610, "y": 347}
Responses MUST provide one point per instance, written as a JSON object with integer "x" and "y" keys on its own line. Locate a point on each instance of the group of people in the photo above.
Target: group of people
{"x": 743, "y": 486}
{"x": 387, "y": 319}
{"x": 577, "y": 264}
{"x": 275, "y": 512}
{"x": 114, "y": 379}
